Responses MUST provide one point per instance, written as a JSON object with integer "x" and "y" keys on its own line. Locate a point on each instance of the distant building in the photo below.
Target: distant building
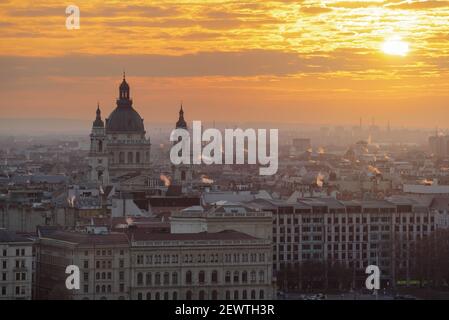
{"x": 300, "y": 146}
{"x": 16, "y": 266}
{"x": 439, "y": 145}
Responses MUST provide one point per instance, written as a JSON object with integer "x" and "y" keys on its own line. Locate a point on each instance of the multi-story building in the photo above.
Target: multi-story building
{"x": 16, "y": 266}
{"x": 352, "y": 233}
{"x": 103, "y": 261}
{"x": 200, "y": 266}
{"x": 144, "y": 264}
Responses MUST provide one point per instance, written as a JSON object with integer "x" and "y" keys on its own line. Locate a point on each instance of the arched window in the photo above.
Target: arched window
{"x": 97, "y": 289}
{"x": 149, "y": 279}
{"x": 244, "y": 277}
{"x": 137, "y": 157}
{"x": 157, "y": 279}
{"x": 109, "y": 288}
{"x": 189, "y": 277}
{"x": 103, "y": 275}
{"x": 166, "y": 296}
{"x": 140, "y": 296}
{"x": 202, "y": 295}
{"x": 100, "y": 146}
{"x": 189, "y": 295}
{"x": 236, "y": 276}
{"x": 148, "y": 295}
{"x": 253, "y": 294}
{"x": 139, "y": 279}
{"x": 158, "y": 296}
{"x": 130, "y": 157}
{"x": 175, "y": 295}
{"x": 244, "y": 295}
{"x": 97, "y": 275}
{"x": 214, "y": 295}
{"x": 121, "y": 157}
{"x": 261, "y": 276}
{"x": 166, "y": 278}
{"x": 202, "y": 277}
{"x": 214, "y": 277}
{"x": 228, "y": 295}
{"x": 103, "y": 288}
{"x": 261, "y": 294}
{"x": 236, "y": 295}
{"x": 174, "y": 278}
{"x": 228, "y": 277}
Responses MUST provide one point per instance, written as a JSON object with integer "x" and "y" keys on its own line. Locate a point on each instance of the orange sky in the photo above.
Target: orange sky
{"x": 291, "y": 61}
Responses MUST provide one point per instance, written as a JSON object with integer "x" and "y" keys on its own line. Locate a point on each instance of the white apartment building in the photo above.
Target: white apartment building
{"x": 103, "y": 260}
{"x": 16, "y": 266}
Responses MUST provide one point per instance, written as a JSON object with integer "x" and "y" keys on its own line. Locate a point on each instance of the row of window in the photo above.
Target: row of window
{"x": 103, "y": 264}
{"x": 202, "y": 295}
{"x": 202, "y": 277}
{"x": 372, "y": 219}
{"x": 200, "y": 258}
{"x": 19, "y": 252}
{"x": 19, "y": 291}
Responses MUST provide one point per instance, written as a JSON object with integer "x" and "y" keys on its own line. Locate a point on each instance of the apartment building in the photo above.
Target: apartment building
{"x": 16, "y": 266}
{"x": 102, "y": 258}
{"x": 352, "y": 233}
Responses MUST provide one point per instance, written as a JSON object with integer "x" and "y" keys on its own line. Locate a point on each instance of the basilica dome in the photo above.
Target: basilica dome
{"x": 124, "y": 118}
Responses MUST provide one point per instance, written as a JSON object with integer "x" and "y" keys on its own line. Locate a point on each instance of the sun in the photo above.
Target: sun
{"x": 395, "y": 46}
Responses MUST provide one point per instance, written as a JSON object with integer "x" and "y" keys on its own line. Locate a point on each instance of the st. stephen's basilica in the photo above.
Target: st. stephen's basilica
{"x": 119, "y": 147}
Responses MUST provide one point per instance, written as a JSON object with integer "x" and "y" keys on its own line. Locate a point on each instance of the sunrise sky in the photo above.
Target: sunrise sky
{"x": 287, "y": 61}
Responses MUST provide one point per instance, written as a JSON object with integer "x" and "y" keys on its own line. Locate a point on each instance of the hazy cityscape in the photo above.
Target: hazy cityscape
{"x": 260, "y": 151}
{"x": 139, "y": 227}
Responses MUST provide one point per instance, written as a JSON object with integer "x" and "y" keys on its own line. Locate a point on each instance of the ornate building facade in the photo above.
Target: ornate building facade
{"x": 119, "y": 146}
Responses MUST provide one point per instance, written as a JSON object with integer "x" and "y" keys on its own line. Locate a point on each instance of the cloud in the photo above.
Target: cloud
{"x": 243, "y": 64}
{"x": 418, "y": 5}
{"x": 315, "y": 10}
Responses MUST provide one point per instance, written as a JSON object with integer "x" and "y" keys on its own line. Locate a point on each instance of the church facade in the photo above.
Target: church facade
{"x": 119, "y": 145}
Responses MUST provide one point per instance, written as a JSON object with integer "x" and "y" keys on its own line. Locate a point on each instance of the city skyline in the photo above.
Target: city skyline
{"x": 282, "y": 61}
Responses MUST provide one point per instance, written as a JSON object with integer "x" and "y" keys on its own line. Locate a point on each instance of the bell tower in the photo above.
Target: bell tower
{"x": 98, "y": 157}
{"x": 182, "y": 173}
